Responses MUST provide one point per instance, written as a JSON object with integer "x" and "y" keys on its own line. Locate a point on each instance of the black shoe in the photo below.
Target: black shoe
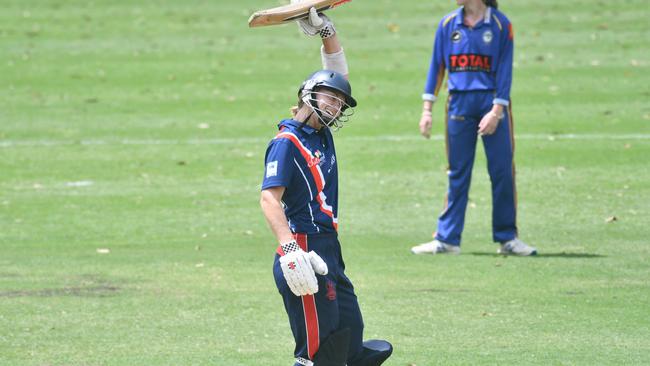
{"x": 374, "y": 353}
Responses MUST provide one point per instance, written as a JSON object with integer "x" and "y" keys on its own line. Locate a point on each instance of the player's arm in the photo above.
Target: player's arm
{"x": 333, "y": 57}
{"x": 437, "y": 66}
{"x": 504, "y": 68}
{"x": 332, "y": 54}
{"x": 433, "y": 84}
{"x": 271, "y": 203}
{"x": 490, "y": 121}
{"x": 280, "y": 169}
{"x": 298, "y": 267}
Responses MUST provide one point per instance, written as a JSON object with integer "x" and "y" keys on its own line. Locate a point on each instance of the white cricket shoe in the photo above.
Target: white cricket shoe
{"x": 436, "y": 247}
{"x": 516, "y": 247}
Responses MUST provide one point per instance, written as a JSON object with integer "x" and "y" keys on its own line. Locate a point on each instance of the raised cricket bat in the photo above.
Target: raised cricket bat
{"x": 291, "y": 12}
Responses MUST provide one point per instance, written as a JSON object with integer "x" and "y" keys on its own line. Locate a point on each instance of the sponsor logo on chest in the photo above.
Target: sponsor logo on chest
{"x": 316, "y": 159}
{"x": 470, "y": 62}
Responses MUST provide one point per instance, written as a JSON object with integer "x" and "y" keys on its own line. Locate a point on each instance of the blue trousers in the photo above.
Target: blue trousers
{"x": 314, "y": 317}
{"x": 464, "y": 112}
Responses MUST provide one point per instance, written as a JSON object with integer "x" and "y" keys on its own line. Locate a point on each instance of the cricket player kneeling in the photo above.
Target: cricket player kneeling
{"x": 300, "y": 202}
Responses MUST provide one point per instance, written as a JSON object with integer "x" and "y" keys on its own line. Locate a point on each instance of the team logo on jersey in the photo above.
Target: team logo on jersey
{"x": 470, "y": 62}
{"x": 487, "y": 36}
{"x": 331, "y": 291}
{"x": 456, "y": 36}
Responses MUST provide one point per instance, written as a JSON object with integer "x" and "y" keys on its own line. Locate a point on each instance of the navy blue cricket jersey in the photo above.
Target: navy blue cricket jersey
{"x": 303, "y": 160}
{"x": 477, "y": 58}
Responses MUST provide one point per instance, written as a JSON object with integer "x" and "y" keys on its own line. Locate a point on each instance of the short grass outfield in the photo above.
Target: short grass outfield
{"x": 132, "y": 139}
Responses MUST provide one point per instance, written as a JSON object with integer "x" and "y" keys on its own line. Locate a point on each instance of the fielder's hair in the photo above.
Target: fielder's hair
{"x": 492, "y": 3}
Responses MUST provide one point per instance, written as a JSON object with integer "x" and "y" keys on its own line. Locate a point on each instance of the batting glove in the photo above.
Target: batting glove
{"x": 299, "y": 269}
{"x": 316, "y": 24}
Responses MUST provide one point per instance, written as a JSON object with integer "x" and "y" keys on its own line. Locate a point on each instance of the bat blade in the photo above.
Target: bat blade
{"x": 291, "y": 12}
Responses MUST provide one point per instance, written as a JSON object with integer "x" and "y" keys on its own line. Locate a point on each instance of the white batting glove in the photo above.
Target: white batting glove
{"x": 317, "y": 263}
{"x": 316, "y": 24}
{"x": 299, "y": 269}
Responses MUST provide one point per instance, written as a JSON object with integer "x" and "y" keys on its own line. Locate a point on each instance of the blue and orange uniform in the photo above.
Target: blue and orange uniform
{"x": 303, "y": 160}
{"x": 478, "y": 61}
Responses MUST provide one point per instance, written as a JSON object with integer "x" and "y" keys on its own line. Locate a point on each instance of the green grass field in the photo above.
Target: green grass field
{"x": 140, "y": 127}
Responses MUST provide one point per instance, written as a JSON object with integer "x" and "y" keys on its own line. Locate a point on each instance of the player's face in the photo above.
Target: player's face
{"x": 330, "y": 102}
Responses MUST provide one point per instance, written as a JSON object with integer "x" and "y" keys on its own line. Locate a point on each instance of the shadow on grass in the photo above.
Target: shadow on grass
{"x": 543, "y": 255}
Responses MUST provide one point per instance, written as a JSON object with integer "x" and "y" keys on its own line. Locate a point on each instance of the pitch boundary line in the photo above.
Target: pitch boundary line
{"x": 249, "y": 140}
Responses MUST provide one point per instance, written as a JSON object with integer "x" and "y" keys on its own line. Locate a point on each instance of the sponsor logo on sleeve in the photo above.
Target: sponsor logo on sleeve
{"x": 272, "y": 169}
{"x": 470, "y": 62}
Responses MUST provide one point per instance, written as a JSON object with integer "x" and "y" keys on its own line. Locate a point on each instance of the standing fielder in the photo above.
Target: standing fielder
{"x": 299, "y": 200}
{"x": 474, "y": 44}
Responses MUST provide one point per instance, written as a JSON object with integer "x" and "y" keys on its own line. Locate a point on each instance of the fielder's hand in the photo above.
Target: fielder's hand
{"x": 426, "y": 122}
{"x": 489, "y": 123}
{"x": 316, "y": 24}
{"x": 299, "y": 269}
